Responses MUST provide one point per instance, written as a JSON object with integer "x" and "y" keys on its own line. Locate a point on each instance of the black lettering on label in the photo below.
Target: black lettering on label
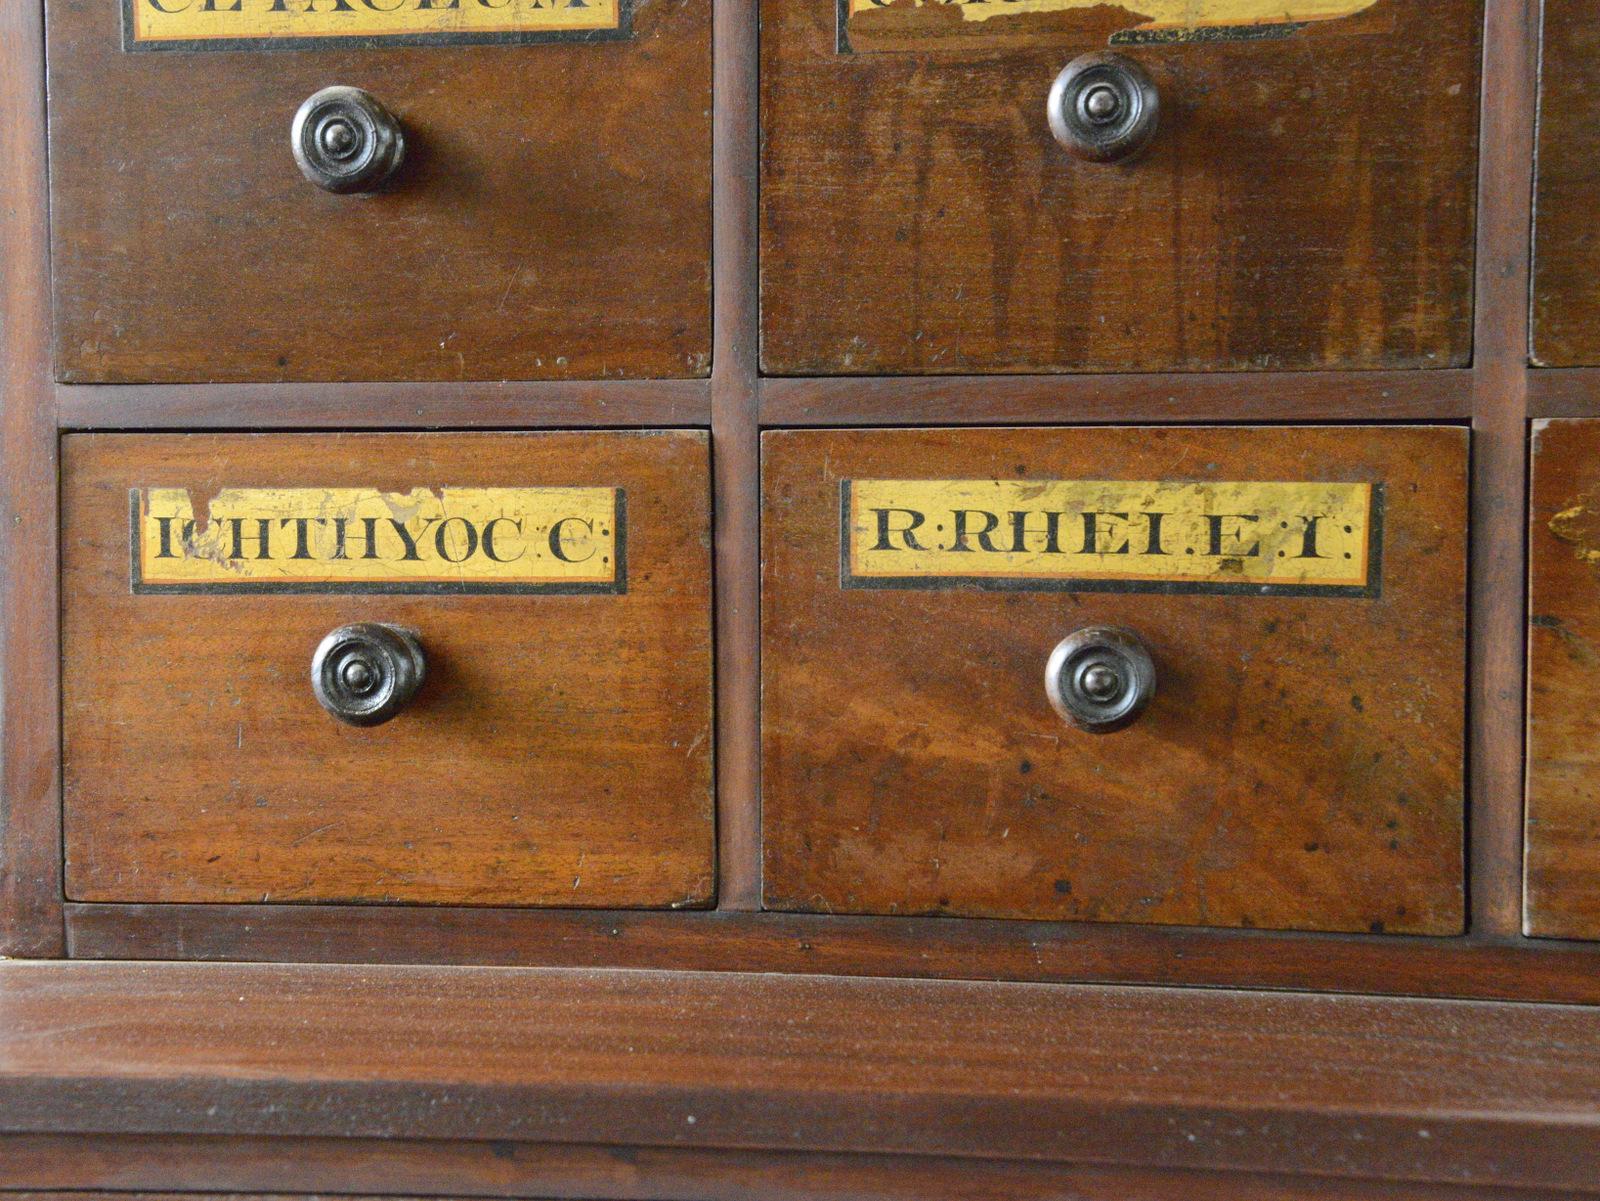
{"x": 441, "y": 541}
{"x": 1096, "y": 535}
{"x": 1217, "y": 531}
{"x": 991, "y": 522}
{"x": 1308, "y": 543}
{"x": 1153, "y": 545}
{"x": 262, "y": 537}
{"x": 489, "y": 536}
{"x": 302, "y": 534}
{"x": 407, "y": 538}
{"x": 557, "y": 539}
{"x": 165, "y": 525}
{"x": 1020, "y": 531}
{"x": 886, "y": 531}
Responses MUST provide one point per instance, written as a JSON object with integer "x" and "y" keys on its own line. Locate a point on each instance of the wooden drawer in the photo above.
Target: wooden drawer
{"x": 558, "y": 749}
{"x": 551, "y": 217}
{"x": 1566, "y": 250}
{"x": 1301, "y": 596}
{"x": 1307, "y": 201}
{"x": 1562, "y": 893}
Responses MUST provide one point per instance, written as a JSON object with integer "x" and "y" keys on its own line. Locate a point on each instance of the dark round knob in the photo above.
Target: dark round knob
{"x": 364, "y": 674}
{"x": 345, "y": 141}
{"x": 1103, "y": 108}
{"x": 1100, "y": 679}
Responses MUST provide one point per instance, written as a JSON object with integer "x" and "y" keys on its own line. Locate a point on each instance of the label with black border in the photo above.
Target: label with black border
{"x": 305, "y": 24}
{"x": 567, "y": 540}
{"x": 1262, "y": 538}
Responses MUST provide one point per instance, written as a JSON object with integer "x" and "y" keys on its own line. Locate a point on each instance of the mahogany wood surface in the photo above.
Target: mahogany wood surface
{"x": 552, "y": 218}
{"x": 736, "y": 458}
{"x": 30, "y": 733}
{"x": 940, "y": 948}
{"x": 1574, "y": 392}
{"x": 536, "y": 404}
{"x": 1497, "y": 378}
{"x": 558, "y": 753}
{"x": 1300, "y": 767}
{"x": 1499, "y": 471}
{"x": 245, "y": 1166}
{"x": 1454, "y": 1092}
{"x": 1442, "y": 395}
{"x": 1566, "y": 252}
{"x": 1493, "y": 961}
{"x": 1308, "y": 201}
{"x": 1563, "y": 813}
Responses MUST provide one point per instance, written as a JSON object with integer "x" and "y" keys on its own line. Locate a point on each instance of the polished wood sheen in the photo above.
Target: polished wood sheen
{"x": 268, "y": 1167}
{"x": 240, "y": 1080}
{"x": 551, "y": 221}
{"x": 1501, "y": 383}
{"x": 30, "y": 709}
{"x": 736, "y": 467}
{"x": 1301, "y": 766}
{"x": 538, "y": 404}
{"x": 1563, "y": 806}
{"x": 1566, "y": 252}
{"x": 728, "y": 940}
{"x": 1307, "y": 203}
{"x": 559, "y": 752}
{"x": 1168, "y": 1079}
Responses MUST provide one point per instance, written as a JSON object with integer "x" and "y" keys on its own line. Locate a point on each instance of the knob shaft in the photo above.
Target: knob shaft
{"x": 345, "y": 141}
{"x": 1100, "y": 679}
{"x": 1103, "y": 108}
{"x": 366, "y": 673}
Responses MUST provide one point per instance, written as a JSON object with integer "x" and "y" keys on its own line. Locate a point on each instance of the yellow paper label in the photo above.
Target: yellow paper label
{"x": 902, "y": 24}
{"x": 567, "y": 540}
{"x": 1112, "y": 535}
{"x": 216, "y": 24}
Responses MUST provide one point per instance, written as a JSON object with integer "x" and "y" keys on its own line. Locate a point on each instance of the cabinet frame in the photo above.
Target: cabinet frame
{"x": 185, "y": 1139}
{"x": 1497, "y": 396}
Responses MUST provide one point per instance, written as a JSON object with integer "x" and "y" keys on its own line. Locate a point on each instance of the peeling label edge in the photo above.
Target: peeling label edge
{"x": 139, "y": 586}
{"x": 1198, "y": 35}
{"x": 378, "y": 41}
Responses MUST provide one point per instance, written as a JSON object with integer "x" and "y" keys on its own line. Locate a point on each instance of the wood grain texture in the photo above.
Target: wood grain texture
{"x": 1301, "y": 766}
{"x": 736, "y": 458}
{"x": 1562, "y": 886}
{"x": 530, "y": 404}
{"x": 1573, "y": 392}
{"x": 552, "y": 219}
{"x": 1308, "y": 203}
{"x": 1566, "y": 253}
{"x": 1169, "y": 1079}
{"x": 260, "y": 1168}
{"x": 1500, "y": 470}
{"x": 559, "y": 752}
{"x": 30, "y": 779}
{"x": 817, "y": 944}
{"x": 1152, "y": 397}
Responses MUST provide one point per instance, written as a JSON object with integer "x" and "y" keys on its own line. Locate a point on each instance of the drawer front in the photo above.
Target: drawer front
{"x": 1300, "y": 595}
{"x": 1566, "y": 250}
{"x": 1562, "y": 892}
{"x": 557, "y": 751}
{"x": 1307, "y": 200}
{"x": 550, "y": 217}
